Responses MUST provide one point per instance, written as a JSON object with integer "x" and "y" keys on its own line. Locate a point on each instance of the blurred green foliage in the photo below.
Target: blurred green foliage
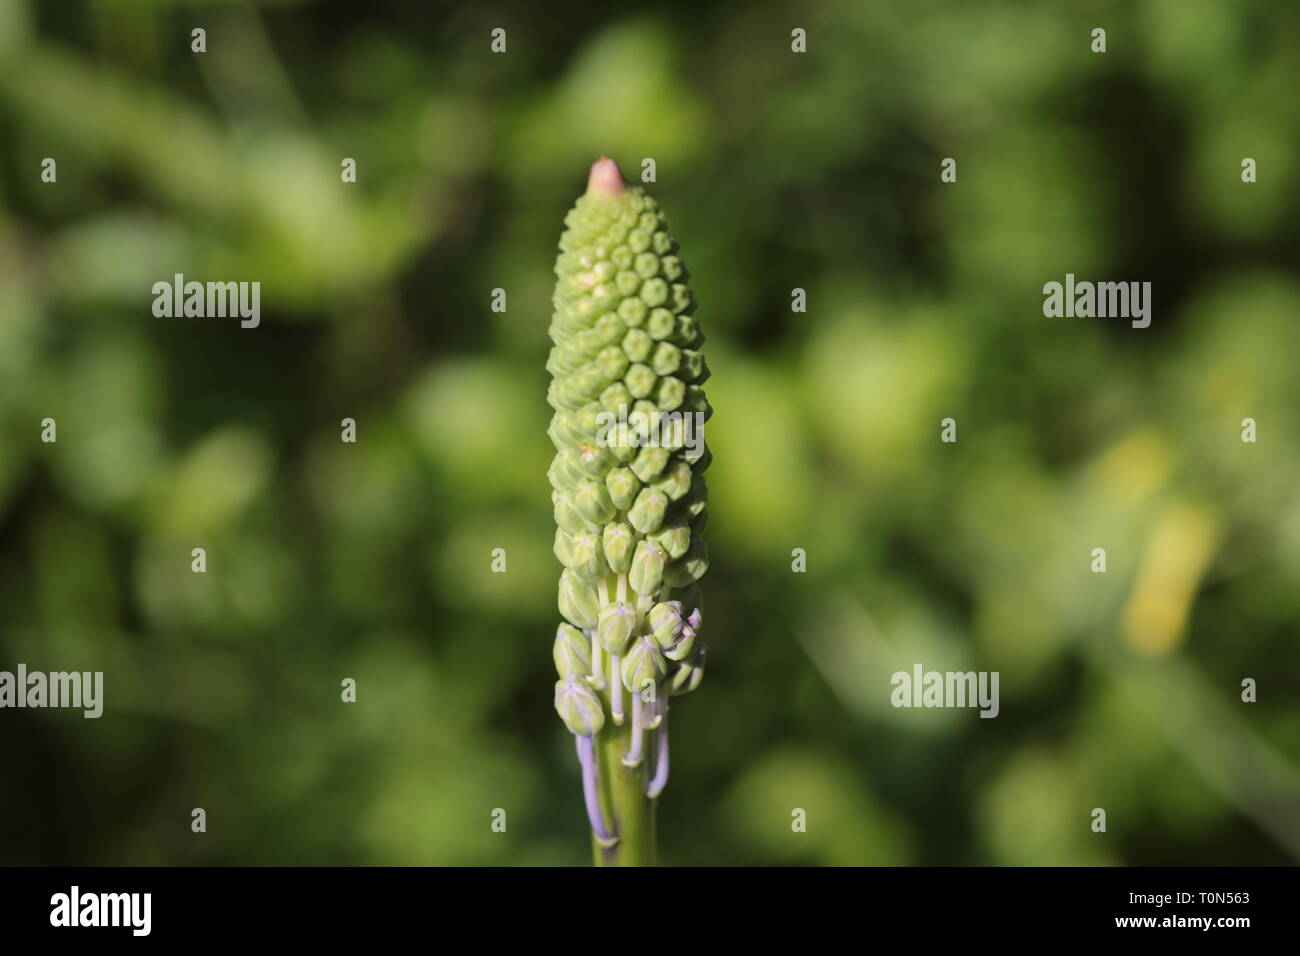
{"x": 329, "y": 560}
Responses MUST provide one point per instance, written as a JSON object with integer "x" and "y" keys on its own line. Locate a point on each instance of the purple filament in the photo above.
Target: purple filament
{"x": 591, "y": 786}
{"x": 660, "y": 779}
{"x": 633, "y": 757}
{"x": 615, "y": 689}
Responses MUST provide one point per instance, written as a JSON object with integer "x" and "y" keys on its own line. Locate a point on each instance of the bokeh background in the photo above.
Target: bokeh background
{"x": 819, "y": 171}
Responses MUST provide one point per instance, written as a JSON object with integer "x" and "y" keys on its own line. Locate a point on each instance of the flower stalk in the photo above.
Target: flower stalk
{"x": 630, "y": 502}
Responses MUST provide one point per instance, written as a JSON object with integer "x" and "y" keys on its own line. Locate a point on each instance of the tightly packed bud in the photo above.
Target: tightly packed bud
{"x": 644, "y": 664}
{"x": 686, "y": 676}
{"x": 572, "y": 651}
{"x": 647, "y": 512}
{"x": 577, "y": 600}
{"x": 619, "y": 542}
{"x": 647, "y": 574}
{"x": 578, "y": 706}
{"x": 587, "y": 556}
{"x": 683, "y": 646}
{"x": 623, "y": 487}
{"x": 665, "y": 622}
{"x": 615, "y": 627}
{"x": 673, "y": 538}
{"x": 690, "y": 567}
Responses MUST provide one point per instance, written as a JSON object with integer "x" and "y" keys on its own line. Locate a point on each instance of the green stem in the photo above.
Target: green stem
{"x": 624, "y": 800}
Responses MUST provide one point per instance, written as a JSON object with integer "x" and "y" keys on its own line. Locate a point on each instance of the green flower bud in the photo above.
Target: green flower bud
{"x": 572, "y": 651}
{"x": 644, "y": 662}
{"x": 588, "y": 556}
{"x": 560, "y": 362}
{"x": 681, "y": 648}
{"x": 669, "y": 397}
{"x": 688, "y": 333}
{"x": 690, "y": 567}
{"x": 619, "y": 544}
{"x": 587, "y": 382}
{"x": 623, "y": 450}
{"x": 666, "y": 359}
{"x": 700, "y": 522}
{"x": 557, "y": 394}
{"x": 675, "y": 481}
{"x": 612, "y": 362}
{"x": 623, "y": 488}
{"x": 647, "y": 512}
{"x": 661, "y": 324}
{"x": 682, "y": 300}
{"x": 694, "y": 368}
{"x": 615, "y": 627}
{"x": 633, "y": 312}
{"x": 591, "y": 500}
{"x": 588, "y": 418}
{"x": 577, "y": 600}
{"x": 640, "y": 380}
{"x": 686, "y": 676}
{"x": 611, "y": 329}
{"x": 675, "y": 538}
{"x": 637, "y": 345}
{"x": 665, "y": 622}
{"x": 578, "y": 706}
{"x": 567, "y": 517}
{"x": 695, "y": 402}
{"x": 615, "y": 397}
{"x": 566, "y": 469}
{"x": 628, "y": 283}
{"x": 647, "y": 265}
{"x": 592, "y": 459}
{"x": 694, "y": 501}
{"x": 561, "y": 429}
{"x": 655, "y": 292}
{"x": 650, "y": 463}
{"x": 605, "y": 295}
{"x": 563, "y": 547}
{"x": 647, "y": 574}
{"x": 552, "y": 474}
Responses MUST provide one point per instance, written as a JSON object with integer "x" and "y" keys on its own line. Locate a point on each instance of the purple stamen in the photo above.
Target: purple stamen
{"x": 591, "y": 787}
{"x": 616, "y": 689}
{"x": 633, "y": 757}
{"x": 660, "y": 779}
{"x": 597, "y": 660}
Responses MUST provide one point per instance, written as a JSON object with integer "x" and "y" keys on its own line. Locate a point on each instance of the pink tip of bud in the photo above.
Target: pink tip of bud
{"x": 606, "y": 178}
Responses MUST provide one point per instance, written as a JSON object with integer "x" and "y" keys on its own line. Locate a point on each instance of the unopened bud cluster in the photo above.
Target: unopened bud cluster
{"x": 630, "y": 508}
